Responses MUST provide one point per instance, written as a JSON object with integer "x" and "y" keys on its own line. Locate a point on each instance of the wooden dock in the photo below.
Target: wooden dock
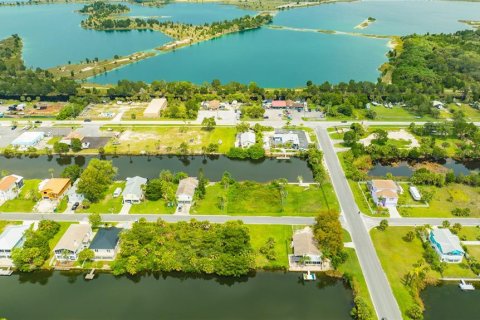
{"x": 90, "y": 275}
{"x": 7, "y": 272}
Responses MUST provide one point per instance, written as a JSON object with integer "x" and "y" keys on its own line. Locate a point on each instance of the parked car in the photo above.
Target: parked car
{"x": 14, "y": 127}
{"x": 87, "y": 120}
{"x": 75, "y": 206}
{"x": 38, "y": 121}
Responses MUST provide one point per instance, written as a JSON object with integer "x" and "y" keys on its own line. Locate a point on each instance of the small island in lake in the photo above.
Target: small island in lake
{"x": 365, "y": 23}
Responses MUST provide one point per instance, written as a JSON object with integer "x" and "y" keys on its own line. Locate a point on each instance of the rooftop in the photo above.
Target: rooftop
{"x": 106, "y": 238}
{"x": 384, "y": 184}
{"x": 187, "y": 186}
{"x": 56, "y": 185}
{"x": 28, "y": 138}
{"x": 448, "y": 242}
{"x": 156, "y": 105}
{"x": 73, "y": 237}
{"x": 134, "y": 186}
{"x": 7, "y": 182}
{"x": 12, "y": 235}
{"x": 304, "y": 243}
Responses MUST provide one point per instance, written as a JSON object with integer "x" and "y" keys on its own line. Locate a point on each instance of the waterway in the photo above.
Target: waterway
{"x": 266, "y": 295}
{"x": 405, "y": 169}
{"x": 447, "y": 301}
{"x": 150, "y": 167}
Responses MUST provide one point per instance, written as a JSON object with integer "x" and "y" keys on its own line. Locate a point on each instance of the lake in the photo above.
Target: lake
{"x": 447, "y": 301}
{"x": 404, "y": 169}
{"x": 150, "y": 167}
{"x": 267, "y": 295}
{"x": 271, "y": 58}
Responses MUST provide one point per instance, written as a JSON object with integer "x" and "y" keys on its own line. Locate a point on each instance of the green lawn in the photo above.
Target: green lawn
{"x": 167, "y": 139}
{"x": 155, "y": 207}
{"x": 398, "y": 256}
{"x": 3, "y": 224}
{"x": 470, "y": 113}
{"x": 363, "y": 199}
{"x": 25, "y": 200}
{"x": 62, "y": 206}
{"x": 352, "y": 268}
{"x": 445, "y": 199}
{"x": 469, "y": 234}
{"x": 346, "y": 236}
{"x": 299, "y": 201}
{"x": 474, "y": 251}
{"x": 259, "y": 235}
{"x": 109, "y": 204}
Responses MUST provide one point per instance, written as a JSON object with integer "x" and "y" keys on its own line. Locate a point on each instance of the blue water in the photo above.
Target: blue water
{"x": 271, "y": 58}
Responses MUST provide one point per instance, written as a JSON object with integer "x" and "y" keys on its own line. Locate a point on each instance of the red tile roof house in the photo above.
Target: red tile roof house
{"x": 279, "y": 104}
{"x": 384, "y": 192}
{"x": 10, "y": 187}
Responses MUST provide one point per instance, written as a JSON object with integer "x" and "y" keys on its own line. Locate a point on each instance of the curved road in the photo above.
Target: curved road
{"x": 382, "y": 296}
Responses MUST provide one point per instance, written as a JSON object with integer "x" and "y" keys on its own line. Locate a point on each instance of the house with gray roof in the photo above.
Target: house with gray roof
{"x": 186, "y": 190}
{"x": 12, "y": 237}
{"x": 133, "y": 192}
{"x": 305, "y": 250}
{"x": 291, "y": 139}
{"x": 105, "y": 244}
{"x": 74, "y": 240}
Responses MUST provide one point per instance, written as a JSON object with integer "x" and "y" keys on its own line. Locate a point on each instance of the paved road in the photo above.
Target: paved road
{"x": 153, "y": 217}
{"x": 382, "y": 296}
{"x": 404, "y": 222}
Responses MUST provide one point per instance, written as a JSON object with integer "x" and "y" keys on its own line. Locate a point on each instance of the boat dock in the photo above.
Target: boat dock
{"x": 90, "y": 275}
{"x": 7, "y": 272}
{"x": 466, "y": 286}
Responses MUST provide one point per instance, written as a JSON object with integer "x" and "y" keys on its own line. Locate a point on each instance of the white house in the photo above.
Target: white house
{"x": 447, "y": 245}
{"x": 133, "y": 192}
{"x": 76, "y": 238}
{"x": 12, "y": 237}
{"x": 28, "y": 139}
{"x": 105, "y": 244}
{"x": 10, "y": 187}
{"x": 246, "y": 139}
{"x": 305, "y": 250}
{"x": 186, "y": 190}
{"x": 384, "y": 192}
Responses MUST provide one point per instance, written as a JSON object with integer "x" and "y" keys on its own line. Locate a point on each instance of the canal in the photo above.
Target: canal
{"x": 267, "y": 295}
{"x": 149, "y": 167}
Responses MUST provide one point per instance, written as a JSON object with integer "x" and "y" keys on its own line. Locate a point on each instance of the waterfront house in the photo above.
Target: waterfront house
{"x": 186, "y": 190}
{"x": 447, "y": 245}
{"x": 10, "y": 187}
{"x": 384, "y": 192}
{"x": 105, "y": 244}
{"x": 75, "y": 239}
{"x": 305, "y": 250}
{"x": 54, "y": 188}
{"x": 246, "y": 139}
{"x": 154, "y": 108}
{"x": 12, "y": 237}
{"x": 72, "y": 135}
{"x": 133, "y": 192}
{"x": 291, "y": 139}
{"x": 28, "y": 139}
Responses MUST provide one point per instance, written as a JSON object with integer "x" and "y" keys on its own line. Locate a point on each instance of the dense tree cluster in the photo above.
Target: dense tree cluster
{"x": 103, "y": 9}
{"x": 95, "y": 179}
{"x": 329, "y": 234}
{"x": 199, "y": 247}
{"x": 17, "y": 80}
{"x": 36, "y": 250}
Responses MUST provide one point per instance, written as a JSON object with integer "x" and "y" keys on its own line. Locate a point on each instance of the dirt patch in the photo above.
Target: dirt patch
{"x": 394, "y": 135}
{"x": 431, "y": 166}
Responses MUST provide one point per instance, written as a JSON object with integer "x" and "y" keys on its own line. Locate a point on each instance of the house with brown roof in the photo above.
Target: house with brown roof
{"x": 186, "y": 190}
{"x": 10, "y": 187}
{"x": 385, "y": 193}
{"x": 75, "y": 239}
{"x": 305, "y": 250}
{"x": 54, "y": 188}
{"x": 70, "y": 136}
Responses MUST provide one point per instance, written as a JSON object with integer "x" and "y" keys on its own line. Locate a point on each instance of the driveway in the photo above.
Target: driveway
{"x": 126, "y": 208}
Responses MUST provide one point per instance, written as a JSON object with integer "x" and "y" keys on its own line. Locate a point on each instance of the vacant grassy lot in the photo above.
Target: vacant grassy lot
{"x": 469, "y": 234}
{"x": 282, "y": 235}
{"x": 109, "y": 204}
{"x": 251, "y": 198}
{"x": 398, "y": 256}
{"x": 446, "y": 199}
{"x": 167, "y": 139}
{"x": 155, "y": 207}
{"x": 474, "y": 251}
{"x": 470, "y": 113}
{"x": 25, "y": 200}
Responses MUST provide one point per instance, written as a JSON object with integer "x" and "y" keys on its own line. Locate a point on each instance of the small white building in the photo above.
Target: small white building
{"x": 415, "y": 193}
{"x": 10, "y": 187}
{"x": 186, "y": 190}
{"x": 76, "y": 238}
{"x": 154, "y": 107}
{"x": 12, "y": 237}
{"x": 447, "y": 245}
{"x": 28, "y": 139}
{"x": 246, "y": 139}
{"x": 282, "y": 139}
{"x": 105, "y": 244}
{"x": 133, "y": 192}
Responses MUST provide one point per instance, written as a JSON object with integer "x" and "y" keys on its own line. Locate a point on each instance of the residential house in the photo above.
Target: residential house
{"x": 186, "y": 190}
{"x": 305, "y": 250}
{"x": 447, "y": 245}
{"x": 28, "y": 139}
{"x": 10, "y": 187}
{"x": 384, "y": 192}
{"x": 105, "y": 244}
{"x": 75, "y": 239}
{"x": 246, "y": 139}
{"x": 12, "y": 237}
{"x": 133, "y": 192}
{"x": 54, "y": 188}
{"x": 278, "y": 104}
{"x": 72, "y": 135}
{"x": 291, "y": 139}
{"x": 155, "y": 107}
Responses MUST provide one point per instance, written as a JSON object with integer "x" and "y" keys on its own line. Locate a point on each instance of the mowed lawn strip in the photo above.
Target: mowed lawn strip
{"x": 25, "y": 200}
{"x": 108, "y": 204}
{"x": 152, "y": 207}
{"x": 251, "y": 198}
{"x": 259, "y": 234}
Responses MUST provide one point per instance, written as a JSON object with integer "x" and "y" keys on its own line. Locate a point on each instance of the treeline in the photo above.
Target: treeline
{"x": 101, "y": 9}
{"x": 17, "y": 80}
{"x": 198, "y": 247}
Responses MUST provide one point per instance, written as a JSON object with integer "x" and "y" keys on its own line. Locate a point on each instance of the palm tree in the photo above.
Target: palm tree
{"x": 51, "y": 171}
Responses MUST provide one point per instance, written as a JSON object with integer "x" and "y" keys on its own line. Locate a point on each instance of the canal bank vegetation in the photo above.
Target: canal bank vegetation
{"x": 411, "y": 265}
{"x": 196, "y": 247}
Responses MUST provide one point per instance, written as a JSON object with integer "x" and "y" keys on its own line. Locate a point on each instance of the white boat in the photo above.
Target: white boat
{"x": 466, "y": 286}
{"x": 309, "y": 276}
